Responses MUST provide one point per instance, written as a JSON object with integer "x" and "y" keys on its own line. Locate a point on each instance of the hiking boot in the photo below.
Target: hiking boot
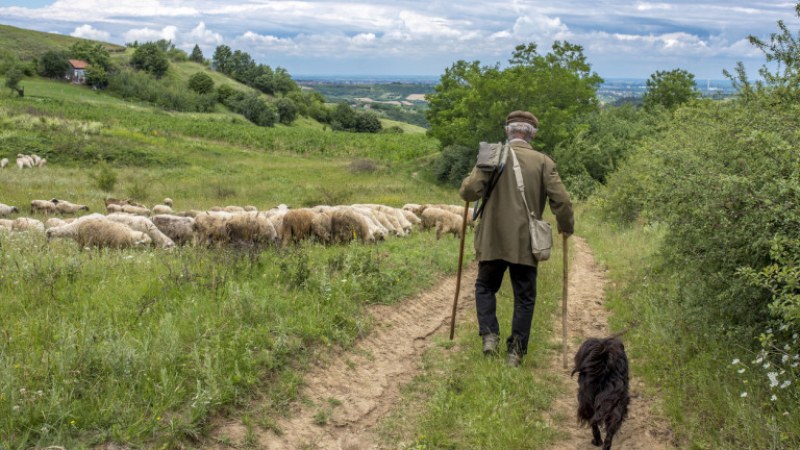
{"x": 513, "y": 359}
{"x": 490, "y": 343}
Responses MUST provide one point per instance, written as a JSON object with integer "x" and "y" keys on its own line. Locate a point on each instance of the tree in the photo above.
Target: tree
{"x": 283, "y": 81}
{"x": 96, "y": 76}
{"x": 150, "y": 58}
{"x": 201, "y": 83}
{"x": 256, "y": 110}
{"x": 368, "y": 122}
{"x": 94, "y": 54}
{"x": 670, "y": 89}
{"x": 197, "y": 55}
{"x": 13, "y": 77}
{"x": 287, "y": 110}
{"x": 471, "y": 101}
{"x": 221, "y": 58}
{"x": 53, "y": 64}
{"x": 343, "y": 117}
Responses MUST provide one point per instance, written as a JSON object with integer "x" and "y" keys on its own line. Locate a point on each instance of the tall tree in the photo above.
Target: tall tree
{"x": 221, "y": 58}
{"x": 471, "y": 101}
{"x": 670, "y": 89}
{"x": 150, "y": 58}
{"x": 53, "y": 64}
{"x": 94, "y": 54}
{"x": 197, "y": 55}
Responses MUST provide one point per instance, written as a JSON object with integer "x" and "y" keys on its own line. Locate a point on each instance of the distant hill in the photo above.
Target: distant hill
{"x": 28, "y": 44}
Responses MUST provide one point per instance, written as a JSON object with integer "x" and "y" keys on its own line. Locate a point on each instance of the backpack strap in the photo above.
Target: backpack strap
{"x": 478, "y": 212}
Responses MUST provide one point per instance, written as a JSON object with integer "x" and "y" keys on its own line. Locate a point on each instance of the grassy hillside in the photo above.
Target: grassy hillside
{"x": 111, "y": 346}
{"x": 27, "y": 44}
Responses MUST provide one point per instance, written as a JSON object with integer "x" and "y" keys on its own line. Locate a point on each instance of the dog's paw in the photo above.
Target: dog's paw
{"x": 597, "y": 442}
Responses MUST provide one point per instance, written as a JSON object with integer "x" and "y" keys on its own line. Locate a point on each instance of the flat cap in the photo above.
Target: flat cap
{"x": 522, "y": 116}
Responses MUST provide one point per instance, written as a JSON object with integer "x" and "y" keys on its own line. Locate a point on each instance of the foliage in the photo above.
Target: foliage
{"x": 53, "y": 64}
{"x": 224, "y": 92}
{"x": 201, "y": 83}
{"x": 254, "y": 108}
{"x": 782, "y": 50}
{"x": 599, "y": 141}
{"x": 471, "y": 101}
{"x": 197, "y": 55}
{"x": 241, "y": 67}
{"x": 13, "y": 77}
{"x": 96, "y": 76}
{"x": 95, "y": 54}
{"x": 344, "y": 118}
{"x": 151, "y": 58}
{"x": 670, "y": 89}
{"x": 105, "y": 177}
{"x": 367, "y": 122}
{"x": 455, "y": 162}
{"x": 287, "y": 110}
{"x": 167, "y": 94}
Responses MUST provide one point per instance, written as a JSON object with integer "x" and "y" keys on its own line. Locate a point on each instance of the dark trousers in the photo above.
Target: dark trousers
{"x": 523, "y": 281}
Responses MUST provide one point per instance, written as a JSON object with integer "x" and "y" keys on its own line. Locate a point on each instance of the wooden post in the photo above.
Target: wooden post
{"x": 564, "y": 292}
{"x": 458, "y": 277}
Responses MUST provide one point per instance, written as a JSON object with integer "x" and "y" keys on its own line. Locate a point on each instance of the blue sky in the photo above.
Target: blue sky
{"x": 622, "y": 39}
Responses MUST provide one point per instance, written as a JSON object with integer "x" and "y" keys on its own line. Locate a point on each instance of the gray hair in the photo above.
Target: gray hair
{"x": 520, "y": 129}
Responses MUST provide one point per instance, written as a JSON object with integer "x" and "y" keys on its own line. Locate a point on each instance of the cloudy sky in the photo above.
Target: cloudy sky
{"x": 401, "y": 37}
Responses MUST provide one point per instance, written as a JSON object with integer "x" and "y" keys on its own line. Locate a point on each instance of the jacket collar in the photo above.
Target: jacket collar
{"x": 519, "y": 143}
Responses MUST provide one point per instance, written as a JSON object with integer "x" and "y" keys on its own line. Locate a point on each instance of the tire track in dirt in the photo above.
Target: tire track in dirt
{"x": 359, "y": 387}
{"x": 588, "y": 317}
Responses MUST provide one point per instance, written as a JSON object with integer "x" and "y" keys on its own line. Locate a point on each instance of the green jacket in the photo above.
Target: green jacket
{"x": 502, "y": 232}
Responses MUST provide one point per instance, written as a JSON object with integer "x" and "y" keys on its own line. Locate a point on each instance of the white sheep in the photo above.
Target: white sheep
{"x": 3, "y": 163}
{"x": 99, "y": 232}
{"x": 54, "y": 222}
{"x": 65, "y": 207}
{"x": 162, "y": 209}
{"x": 27, "y": 224}
{"x": 167, "y": 201}
{"x": 24, "y": 161}
{"x": 144, "y": 225}
{"x": 6, "y": 210}
{"x": 5, "y": 224}
{"x": 178, "y": 228}
{"x": 44, "y": 206}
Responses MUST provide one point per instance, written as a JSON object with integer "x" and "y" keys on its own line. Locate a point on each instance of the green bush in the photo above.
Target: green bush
{"x": 105, "y": 178}
{"x": 287, "y": 110}
{"x": 150, "y": 58}
{"x": 129, "y": 84}
{"x": 254, "y": 108}
{"x": 454, "y": 164}
{"x": 201, "y": 83}
{"x": 53, "y": 64}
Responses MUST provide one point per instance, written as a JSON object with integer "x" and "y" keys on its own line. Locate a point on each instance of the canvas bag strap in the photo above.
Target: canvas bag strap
{"x": 520, "y": 183}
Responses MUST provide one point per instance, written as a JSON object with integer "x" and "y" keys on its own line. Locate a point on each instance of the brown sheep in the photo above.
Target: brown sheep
{"x": 210, "y": 228}
{"x": 251, "y": 228}
{"x": 443, "y": 221}
{"x": 347, "y": 224}
{"x": 102, "y": 233}
{"x": 27, "y": 224}
{"x": 178, "y": 228}
{"x": 65, "y": 207}
{"x": 296, "y": 225}
{"x": 321, "y": 227}
{"x": 44, "y": 206}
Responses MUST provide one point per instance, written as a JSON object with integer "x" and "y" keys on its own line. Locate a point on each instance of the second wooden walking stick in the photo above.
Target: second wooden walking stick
{"x": 564, "y": 292}
{"x": 458, "y": 277}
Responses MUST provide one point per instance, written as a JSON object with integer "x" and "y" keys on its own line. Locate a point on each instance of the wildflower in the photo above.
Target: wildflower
{"x": 786, "y": 347}
{"x": 741, "y": 370}
{"x": 783, "y": 327}
{"x": 743, "y": 394}
{"x": 735, "y": 361}
{"x": 785, "y": 358}
{"x": 774, "y": 398}
{"x": 15, "y": 408}
{"x": 766, "y": 365}
{"x": 22, "y": 391}
{"x": 769, "y": 330}
{"x": 72, "y": 422}
{"x": 773, "y": 379}
{"x": 759, "y": 360}
{"x": 795, "y": 364}
{"x": 786, "y": 384}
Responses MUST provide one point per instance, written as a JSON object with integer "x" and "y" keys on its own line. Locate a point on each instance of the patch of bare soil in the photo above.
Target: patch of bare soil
{"x": 345, "y": 399}
{"x": 587, "y": 317}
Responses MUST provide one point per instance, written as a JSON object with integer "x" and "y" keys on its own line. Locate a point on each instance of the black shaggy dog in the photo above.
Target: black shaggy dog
{"x": 602, "y": 368}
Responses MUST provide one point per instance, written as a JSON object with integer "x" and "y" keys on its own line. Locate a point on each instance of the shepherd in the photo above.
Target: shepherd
{"x": 504, "y": 234}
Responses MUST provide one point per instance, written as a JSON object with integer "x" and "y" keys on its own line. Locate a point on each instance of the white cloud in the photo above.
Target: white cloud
{"x": 101, "y": 10}
{"x": 653, "y": 6}
{"x": 88, "y": 32}
{"x": 169, "y": 33}
{"x": 202, "y": 36}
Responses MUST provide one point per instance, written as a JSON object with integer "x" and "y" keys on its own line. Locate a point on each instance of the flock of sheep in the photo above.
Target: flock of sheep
{"x": 130, "y": 224}
{"x": 25, "y": 161}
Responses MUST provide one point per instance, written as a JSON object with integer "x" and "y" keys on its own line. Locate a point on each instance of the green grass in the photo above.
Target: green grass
{"x": 27, "y": 44}
{"x": 406, "y": 127}
{"x": 691, "y": 369}
{"x": 463, "y": 400}
{"x": 145, "y": 348}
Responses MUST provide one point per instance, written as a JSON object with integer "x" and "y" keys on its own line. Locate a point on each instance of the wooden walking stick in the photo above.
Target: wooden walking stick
{"x": 564, "y": 292}
{"x": 460, "y": 263}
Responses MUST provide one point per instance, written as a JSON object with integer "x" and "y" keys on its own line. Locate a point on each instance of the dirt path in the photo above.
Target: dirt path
{"x": 346, "y": 398}
{"x": 589, "y": 318}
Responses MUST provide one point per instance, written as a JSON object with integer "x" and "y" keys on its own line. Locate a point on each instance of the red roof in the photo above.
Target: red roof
{"x": 78, "y": 63}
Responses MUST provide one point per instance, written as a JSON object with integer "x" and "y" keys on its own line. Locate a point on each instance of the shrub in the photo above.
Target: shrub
{"x": 201, "y": 83}
{"x": 105, "y": 178}
{"x": 150, "y": 58}
{"x": 224, "y": 92}
{"x": 13, "y": 77}
{"x": 53, "y": 64}
{"x": 255, "y": 109}
{"x": 367, "y": 122}
{"x": 96, "y": 76}
{"x": 454, "y": 164}
{"x": 287, "y": 110}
